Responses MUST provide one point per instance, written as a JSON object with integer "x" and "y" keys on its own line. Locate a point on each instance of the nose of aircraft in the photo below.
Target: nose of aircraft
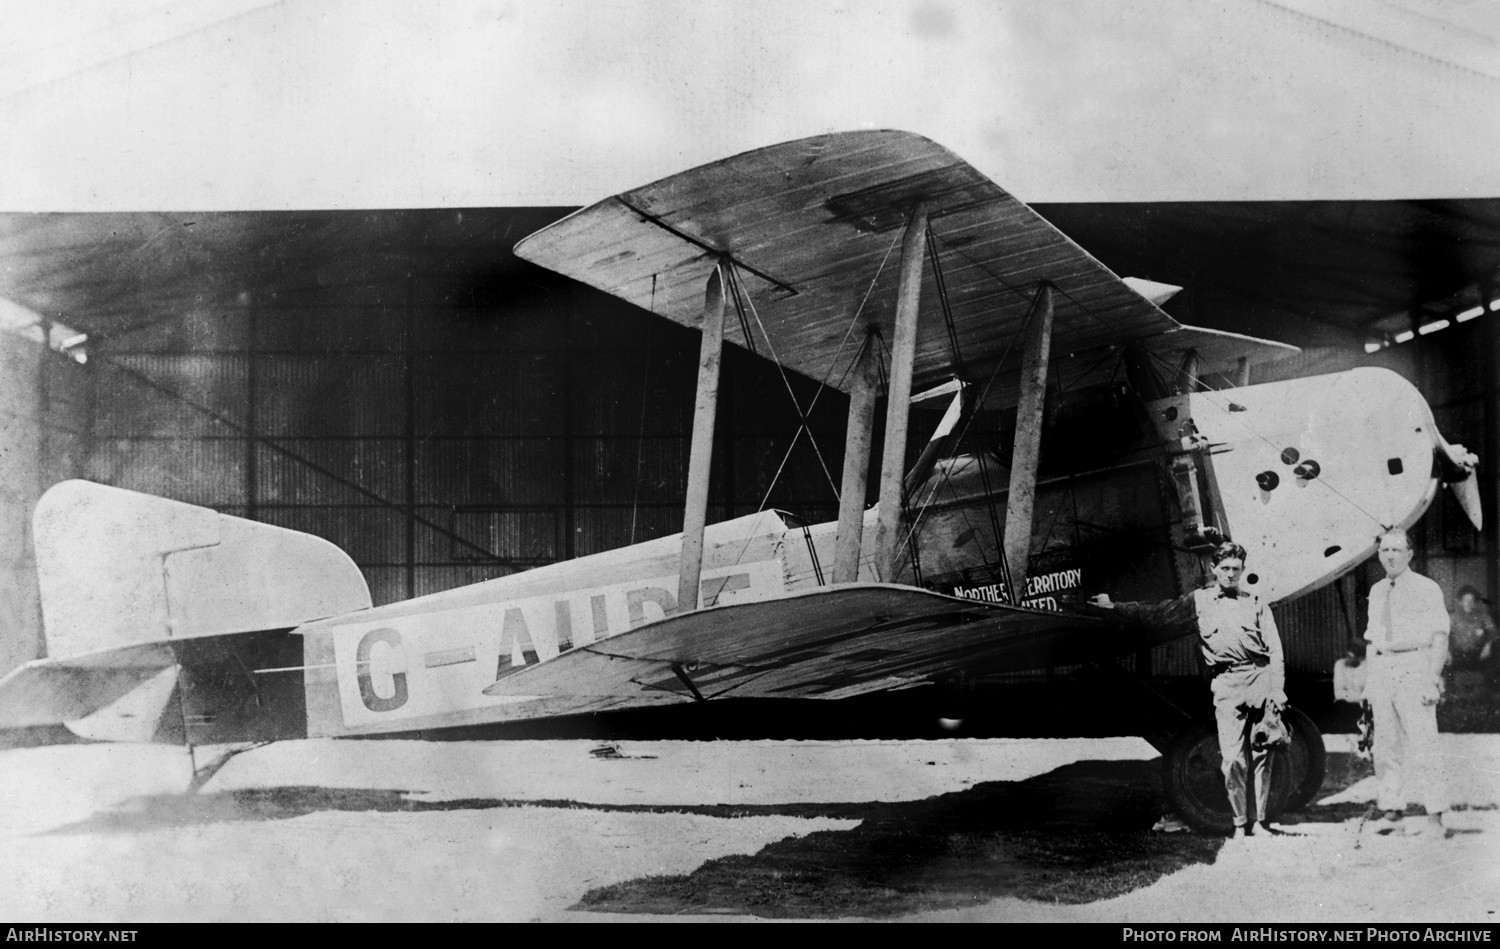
{"x": 1456, "y": 465}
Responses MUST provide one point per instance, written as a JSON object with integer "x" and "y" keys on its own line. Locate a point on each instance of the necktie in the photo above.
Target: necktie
{"x": 1385, "y": 612}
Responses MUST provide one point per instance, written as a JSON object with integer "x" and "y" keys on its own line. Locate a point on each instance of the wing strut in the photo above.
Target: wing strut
{"x": 1027, "y": 451}
{"x": 695, "y": 510}
{"x": 898, "y": 394}
{"x": 687, "y": 680}
{"x": 857, "y": 440}
{"x": 1187, "y": 373}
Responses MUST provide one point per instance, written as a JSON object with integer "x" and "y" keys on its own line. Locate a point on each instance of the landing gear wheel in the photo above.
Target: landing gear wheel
{"x": 1306, "y": 756}
{"x": 1194, "y": 782}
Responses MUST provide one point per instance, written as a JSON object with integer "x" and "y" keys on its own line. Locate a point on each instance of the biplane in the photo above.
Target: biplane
{"x": 1089, "y": 442}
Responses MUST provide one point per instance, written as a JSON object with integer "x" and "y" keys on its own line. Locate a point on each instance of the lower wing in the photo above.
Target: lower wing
{"x": 828, "y": 644}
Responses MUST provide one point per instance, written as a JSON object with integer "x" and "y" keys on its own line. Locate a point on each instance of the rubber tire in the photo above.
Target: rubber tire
{"x": 1308, "y": 757}
{"x": 1194, "y": 783}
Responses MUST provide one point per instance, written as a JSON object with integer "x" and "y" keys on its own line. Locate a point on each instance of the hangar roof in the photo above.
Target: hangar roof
{"x": 1305, "y": 272}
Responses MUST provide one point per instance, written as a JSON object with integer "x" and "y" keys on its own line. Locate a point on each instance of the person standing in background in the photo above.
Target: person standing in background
{"x": 1471, "y": 640}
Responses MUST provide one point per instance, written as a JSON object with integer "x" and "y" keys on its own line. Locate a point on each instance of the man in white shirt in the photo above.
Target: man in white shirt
{"x": 1408, "y": 636}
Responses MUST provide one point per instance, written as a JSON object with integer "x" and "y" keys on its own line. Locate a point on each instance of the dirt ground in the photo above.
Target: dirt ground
{"x": 1004, "y": 829}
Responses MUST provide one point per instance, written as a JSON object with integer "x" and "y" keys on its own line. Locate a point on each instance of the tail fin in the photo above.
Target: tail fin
{"x": 117, "y": 567}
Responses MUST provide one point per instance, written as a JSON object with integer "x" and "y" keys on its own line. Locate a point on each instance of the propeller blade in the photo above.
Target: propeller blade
{"x": 1457, "y": 465}
{"x": 1467, "y": 493}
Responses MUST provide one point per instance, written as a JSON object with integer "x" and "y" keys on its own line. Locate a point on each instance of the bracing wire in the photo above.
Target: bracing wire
{"x": 942, "y": 290}
{"x": 832, "y": 365}
{"x": 1024, "y": 294}
{"x": 802, "y": 417}
{"x": 739, "y": 309}
{"x": 854, "y": 320}
{"x": 984, "y": 392}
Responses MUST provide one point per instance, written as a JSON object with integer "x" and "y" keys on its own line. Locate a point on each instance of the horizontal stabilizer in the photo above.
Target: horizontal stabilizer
{"x": 54, "y": 691}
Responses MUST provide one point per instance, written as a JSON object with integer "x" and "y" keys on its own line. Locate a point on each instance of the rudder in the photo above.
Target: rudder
{"x": 118, "y": 567}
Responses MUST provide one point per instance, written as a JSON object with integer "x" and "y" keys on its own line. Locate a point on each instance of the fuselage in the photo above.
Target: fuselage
{"x": 1125, "y": 519}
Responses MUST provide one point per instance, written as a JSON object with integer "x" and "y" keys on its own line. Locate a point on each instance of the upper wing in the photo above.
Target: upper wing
{"x": 812, "y": 226}
{"x": 830, "y": 643}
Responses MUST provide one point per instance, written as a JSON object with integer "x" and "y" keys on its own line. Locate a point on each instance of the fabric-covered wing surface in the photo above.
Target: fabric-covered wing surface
{"x": 830, "y": 643}
{"x": 52, "y": 691}
{"x": 813, "y": 228}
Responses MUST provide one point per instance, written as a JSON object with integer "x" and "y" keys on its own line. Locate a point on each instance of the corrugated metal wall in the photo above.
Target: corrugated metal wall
{"x": 440, "y": 442}
{"x": 45, "y": 403}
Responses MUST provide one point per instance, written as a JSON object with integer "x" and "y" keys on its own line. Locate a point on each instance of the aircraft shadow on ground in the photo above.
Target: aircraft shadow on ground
{"x": 1073, "y": 835}
{"x": 1076, "y": 834}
